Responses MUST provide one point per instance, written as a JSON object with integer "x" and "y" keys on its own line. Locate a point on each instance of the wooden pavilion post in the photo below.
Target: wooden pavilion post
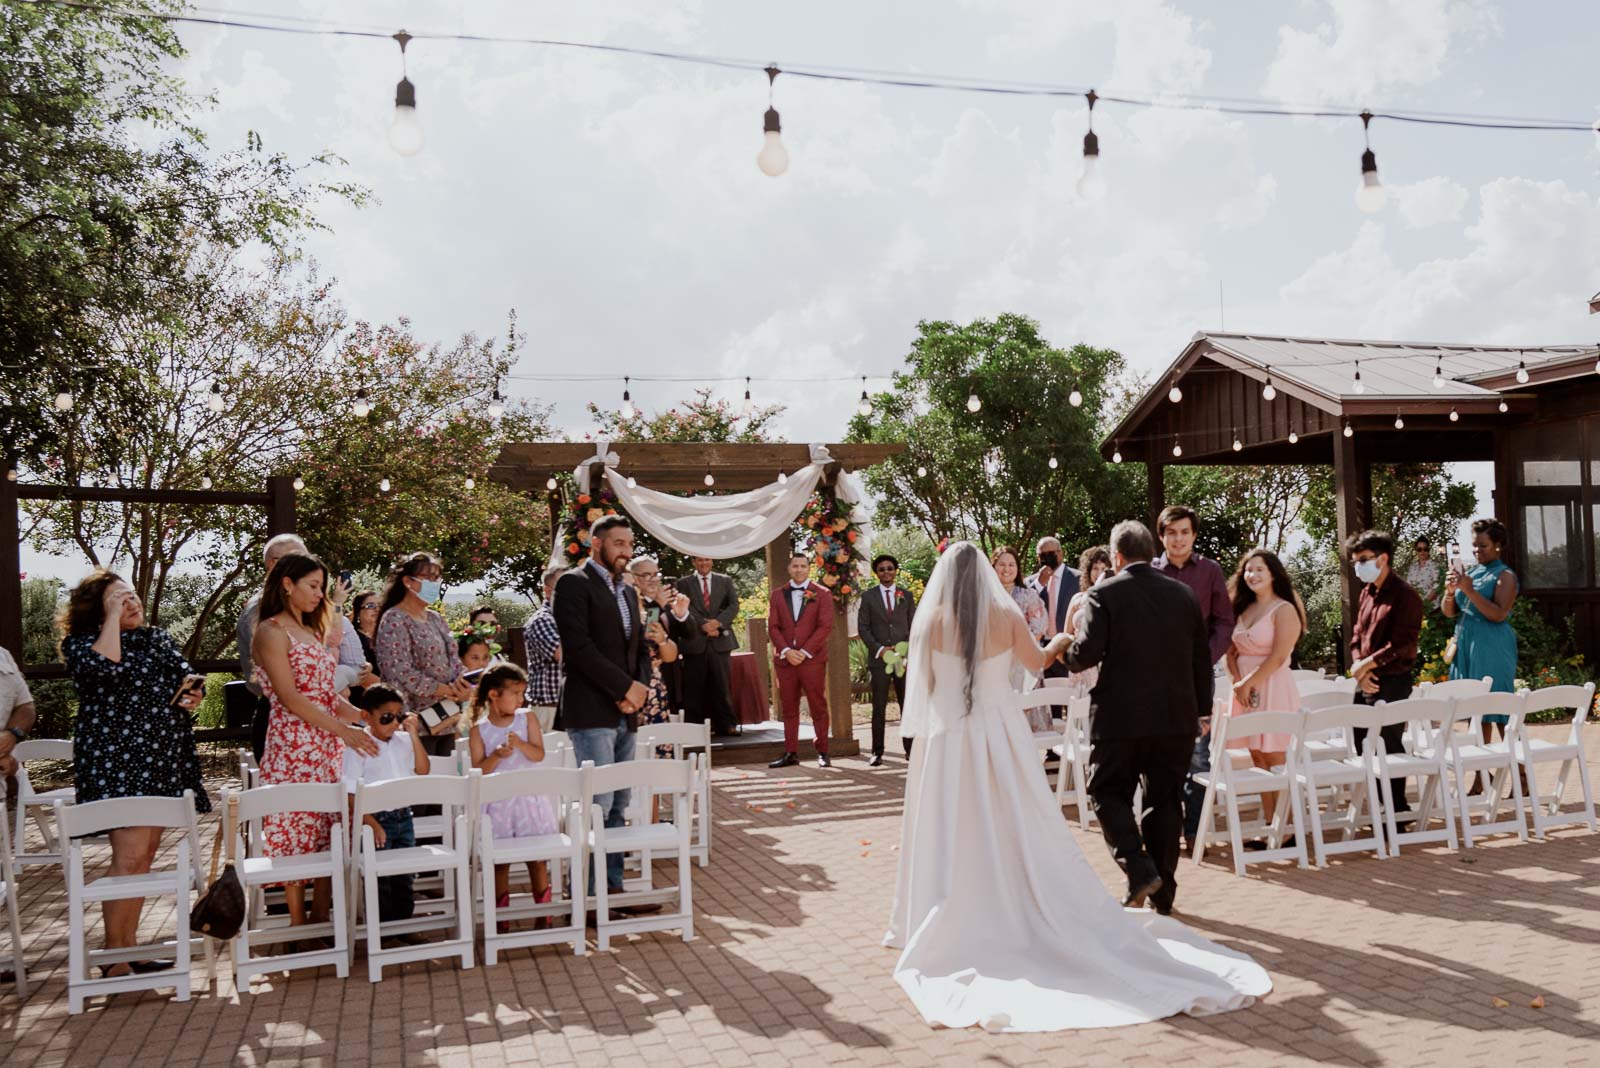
{"x": 280, "y": 506}
{"x": 1352, "y": 491}
{"x": 841, "y": 711}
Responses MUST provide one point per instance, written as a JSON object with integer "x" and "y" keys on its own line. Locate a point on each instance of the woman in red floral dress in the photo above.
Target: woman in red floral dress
{"x": 310, "y": 724}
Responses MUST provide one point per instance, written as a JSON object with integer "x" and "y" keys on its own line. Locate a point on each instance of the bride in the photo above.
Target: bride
{"x": 1000, "y": 920}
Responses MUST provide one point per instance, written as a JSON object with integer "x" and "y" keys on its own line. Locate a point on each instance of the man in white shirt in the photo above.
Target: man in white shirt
{"x": 400, "y": 754}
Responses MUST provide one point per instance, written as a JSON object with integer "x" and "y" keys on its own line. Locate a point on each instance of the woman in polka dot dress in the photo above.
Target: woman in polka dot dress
{"x": 310, "y": 724}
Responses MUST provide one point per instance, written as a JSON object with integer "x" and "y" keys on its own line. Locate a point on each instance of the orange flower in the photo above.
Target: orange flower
{"x": 583, "y": 498}
{"x": 851, "y": 537}
{"x": 844, "y": 589}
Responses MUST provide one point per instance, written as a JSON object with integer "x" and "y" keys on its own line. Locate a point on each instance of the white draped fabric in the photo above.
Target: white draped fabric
{"x": 725, "y": 526}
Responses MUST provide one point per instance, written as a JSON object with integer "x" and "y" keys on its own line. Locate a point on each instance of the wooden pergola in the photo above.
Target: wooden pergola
{"x": 681, "y": 467}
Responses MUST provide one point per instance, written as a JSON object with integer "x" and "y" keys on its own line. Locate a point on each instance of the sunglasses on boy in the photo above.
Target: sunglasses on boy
{"x": 386, "y": 718}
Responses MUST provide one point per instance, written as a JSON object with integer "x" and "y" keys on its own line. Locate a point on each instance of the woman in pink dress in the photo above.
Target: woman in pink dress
{"x": 1269, "y": 622}
{"x": 310, "y": 724}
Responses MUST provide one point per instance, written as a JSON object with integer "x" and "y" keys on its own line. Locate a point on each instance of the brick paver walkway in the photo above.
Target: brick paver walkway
{"x": 1391, "y": 962}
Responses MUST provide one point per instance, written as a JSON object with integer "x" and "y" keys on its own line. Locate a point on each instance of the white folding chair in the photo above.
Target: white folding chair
{"x": 1338, "y": 684}
{"x": 564, "y": 788}
{"x": 39, "y": 803}
{"x": 1233, "y": 783}
{"x": 682, "y": 738}
{"x": 663, "y": 777}
{"x": 1326, "y": 743}
{"x": 1352, "y": 783}
{"x": 557, "y": 744}
{"x": 1307, "y": 674}
{"x": 1072, "y": 776}
{"x": 436, "y": 887}
{"x": 1422, "y": 757}
{"x": 8, "y": 896}
{"x": 256, "y": 870}
{"x": 185, "y": 878}
{"x": 451, "y": 856}
{"x": 1470, "y": 756}
{"x": 1531, "y": 752}
{"x": 249, "y": 769}
{"x": 1453, "y": 689}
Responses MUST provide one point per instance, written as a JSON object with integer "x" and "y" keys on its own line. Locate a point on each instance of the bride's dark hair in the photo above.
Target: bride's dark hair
{"x": 966, "y": 603}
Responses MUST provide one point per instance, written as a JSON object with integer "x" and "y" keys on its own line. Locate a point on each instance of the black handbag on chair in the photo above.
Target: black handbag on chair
{"x": 220, "y": 910}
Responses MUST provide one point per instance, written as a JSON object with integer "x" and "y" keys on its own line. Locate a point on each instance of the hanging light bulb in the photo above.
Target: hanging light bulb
{"x": 205, "y": 481}
{"x": 1356, "y": 385}
{"x": 383, "y": 485}
{"x": 633, "y": 483}
{"x": 214, "y": 402}
{"x": 1349, "y": 433}
{"x": 783, "y": 478}
{"x": 1399, "y": 423}
{"x": 362, "y": 406}
{"x": 864, "y": 407}
{"x": 550, "y": 483}
{"x": 749, "y": 408}
{"x": 497, "y": 403}
{"x": 709, "y": 480}
{"x": 1054, "y": 463}
{"x": 1438, "y": 373}
{"x": 773, "y": 159}
{"x": 1075, "y": 399}
{"x": 63, "y": 400}
{"x": 922, "y": 472}
{"x": 1504, "y": 407}
{"x": 1455, "y": 416}
{"x": 628, "y": 410}
{"x": 1116, "y": 454}
{"x": 1370, "y": 195}
{"x": 1174, "y": 394}
{"x": 1522, "y": 371}
{"x": 1238, "y": 446}
{"x": 405, "y": 132}
{"x": 1177, "y": 449}
{"x": 299, "y": 483}
{"x": 11, "y": 474}
{"x": 973, "y": 403}
{"x": 1269, "y": 391}
{"x": 1293, "y": 437}
{"x": 1091, "y": 185}
{"x": 471, "y": 483}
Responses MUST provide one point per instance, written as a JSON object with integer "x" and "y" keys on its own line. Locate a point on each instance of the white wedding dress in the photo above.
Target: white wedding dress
{"x": 1001, "y": 922}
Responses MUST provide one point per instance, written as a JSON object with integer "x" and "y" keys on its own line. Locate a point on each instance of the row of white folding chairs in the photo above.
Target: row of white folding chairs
{"x": 1069, "y": 740}
{"x": 1442, "y": 749}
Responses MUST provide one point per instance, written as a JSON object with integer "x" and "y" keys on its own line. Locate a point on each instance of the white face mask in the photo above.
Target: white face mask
{"x": 1368, "y": 570}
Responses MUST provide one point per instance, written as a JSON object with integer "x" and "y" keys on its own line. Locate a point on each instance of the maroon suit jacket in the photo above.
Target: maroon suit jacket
{"x": 810, "y": 632}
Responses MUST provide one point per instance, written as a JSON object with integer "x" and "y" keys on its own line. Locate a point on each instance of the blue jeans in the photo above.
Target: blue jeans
{"x": 607, "y": 745}
{"x": 396, "y": 901}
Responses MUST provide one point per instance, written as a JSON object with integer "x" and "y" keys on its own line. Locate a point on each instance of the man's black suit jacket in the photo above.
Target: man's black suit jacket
{"x": 599, "y": 661}
{"x": 724, "y": 606}
{"x": 1145, "y": 633}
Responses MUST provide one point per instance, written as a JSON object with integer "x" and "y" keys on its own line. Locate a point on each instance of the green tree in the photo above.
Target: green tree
{"x": 988, "y": 473}
{"x": 106, "y": 189}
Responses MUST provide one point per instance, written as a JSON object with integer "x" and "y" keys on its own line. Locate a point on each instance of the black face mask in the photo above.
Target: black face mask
{"x": 1050, "y": 560}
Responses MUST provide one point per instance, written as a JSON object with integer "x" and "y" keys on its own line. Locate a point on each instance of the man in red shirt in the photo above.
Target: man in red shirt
{"x": 1383, "y": 641}
{"x": 799, "y": 621}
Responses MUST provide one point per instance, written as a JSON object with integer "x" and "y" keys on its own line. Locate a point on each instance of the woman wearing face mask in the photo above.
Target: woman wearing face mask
{"x": 1483, "y": 596}
{"x": 1093, "y": 565}
{"x": 310, "y": 724}
{"x": 1008, "y": 568}
{"x": 1268, "y": 622}
{"x": 417, "y": 654}
{"x": 134, "y": 734}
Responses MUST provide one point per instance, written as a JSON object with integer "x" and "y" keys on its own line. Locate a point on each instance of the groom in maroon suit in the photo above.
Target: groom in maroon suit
{"x": 799, "y": 620}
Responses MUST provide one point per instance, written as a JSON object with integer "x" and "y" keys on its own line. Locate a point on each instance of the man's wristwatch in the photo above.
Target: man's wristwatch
{"x": 18, "y": 733}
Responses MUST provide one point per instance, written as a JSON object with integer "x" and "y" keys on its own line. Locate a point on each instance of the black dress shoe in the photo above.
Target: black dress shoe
{"x": 148, "y": 967}
{"x": 876, "y": 761}
{"x": 823, "y": 761}
{"x": 1140, "y": 893}
{"x": 1163, "y": 910}
{"x": 788, "y": 760}
{"x": 637, "y": 910}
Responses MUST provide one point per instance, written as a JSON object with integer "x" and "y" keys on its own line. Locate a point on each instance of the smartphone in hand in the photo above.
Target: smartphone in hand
{"x": 192, "y": 684}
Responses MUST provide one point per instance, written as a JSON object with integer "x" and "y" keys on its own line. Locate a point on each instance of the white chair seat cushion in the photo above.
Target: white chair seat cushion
{"x": 413, "y": 859}
{"x": 640, "y": 836}
{"x": 257, "y": 870}
{"x": 538, "y": 847}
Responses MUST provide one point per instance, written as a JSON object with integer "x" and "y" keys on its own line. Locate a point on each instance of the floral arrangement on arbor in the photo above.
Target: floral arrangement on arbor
{"x": 586, "y": 510}
{"x": 837, "y": 540}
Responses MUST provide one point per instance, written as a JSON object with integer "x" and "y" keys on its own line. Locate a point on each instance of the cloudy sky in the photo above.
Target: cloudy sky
{"x": 614, "y": 201}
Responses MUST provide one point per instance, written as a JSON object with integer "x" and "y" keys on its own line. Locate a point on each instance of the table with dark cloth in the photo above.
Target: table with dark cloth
{"x": 744, "y": 683}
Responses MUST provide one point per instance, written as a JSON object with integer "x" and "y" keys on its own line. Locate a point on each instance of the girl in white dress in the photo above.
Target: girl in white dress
{"x": 506, "y": 737}
{"x": 1000, "y": 920}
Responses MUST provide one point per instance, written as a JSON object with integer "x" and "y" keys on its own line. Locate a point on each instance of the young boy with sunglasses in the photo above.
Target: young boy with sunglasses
{"x": 400, "y": 753}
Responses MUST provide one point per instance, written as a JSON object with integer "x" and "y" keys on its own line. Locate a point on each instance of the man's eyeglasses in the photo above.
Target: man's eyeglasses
{"x": 386, "y": 718}
{"x": 887, "y": 569}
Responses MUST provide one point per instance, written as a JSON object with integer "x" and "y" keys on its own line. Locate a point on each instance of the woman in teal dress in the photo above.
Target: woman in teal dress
{"x": 1482, "y": 596}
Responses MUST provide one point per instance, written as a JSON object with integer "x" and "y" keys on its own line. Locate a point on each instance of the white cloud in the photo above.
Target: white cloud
{"x": 1372, "y": 47}
{"x": 1429, "y": 202}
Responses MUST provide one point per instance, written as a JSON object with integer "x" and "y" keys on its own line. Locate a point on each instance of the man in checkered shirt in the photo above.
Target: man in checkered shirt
{"x": 544, "y": 654}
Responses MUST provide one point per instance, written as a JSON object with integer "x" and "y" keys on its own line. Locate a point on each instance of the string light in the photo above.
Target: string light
{"x": 1054, "y": 463}
{"x": 773, "y": 159}
{"x": 405, "y": 131}
{"x": 471, "y": 483}
{"x": 1356, "y": 385}
{"x": 1075, "y": 399}
{"x": 1238, "y": 446}
{"x": 922, "y": 472}
{"x": 1504, "y": 407}
{"x": 1293, "y": 437}
{"x": 1348, "y": 432}
{"x": 11, "y": 474}
{"x": 1370, "y": 194}
{"x": 1399, "y": 423}
{"x": 1438, "y": 373}
{"x": 63, "y": 400}
{"x": 710, "y": 480}
{"x": 628, "y": 410}
{"x": 1269, "y": 392}
{"x": 205, "y": 481}
{"x": 383, "y": 485}
{"x": 864, "y": 407}
{"x": 1177, "y": 449}
{"x": 1455, "y": 416}
{"x": 497, "y": 403}
{"x": 550, "y": 483}
{"x": 362, "y": 406}
{"x": 749, "y": 408}
{"x": 300, "y": 483}
{"x": 633, "y": 483}
{"x": 1522, "y": 371}
{"x": 1116, "y": 453}
{"x": 1090, "y": 184}
{"x": 973, "y": 403}
{"x": 783, "y": 478}
{"x": 214, "y": 402}
{"x": 1174, "y": 394}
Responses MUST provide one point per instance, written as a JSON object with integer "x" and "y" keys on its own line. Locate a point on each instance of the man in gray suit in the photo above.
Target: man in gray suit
{"x": 708, "y": 643}
{"x": 884, "y": 622}
{"x": 1055, "y": 582}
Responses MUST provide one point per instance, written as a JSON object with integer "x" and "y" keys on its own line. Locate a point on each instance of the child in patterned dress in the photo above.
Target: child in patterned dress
{"x": 506, "y": 737}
